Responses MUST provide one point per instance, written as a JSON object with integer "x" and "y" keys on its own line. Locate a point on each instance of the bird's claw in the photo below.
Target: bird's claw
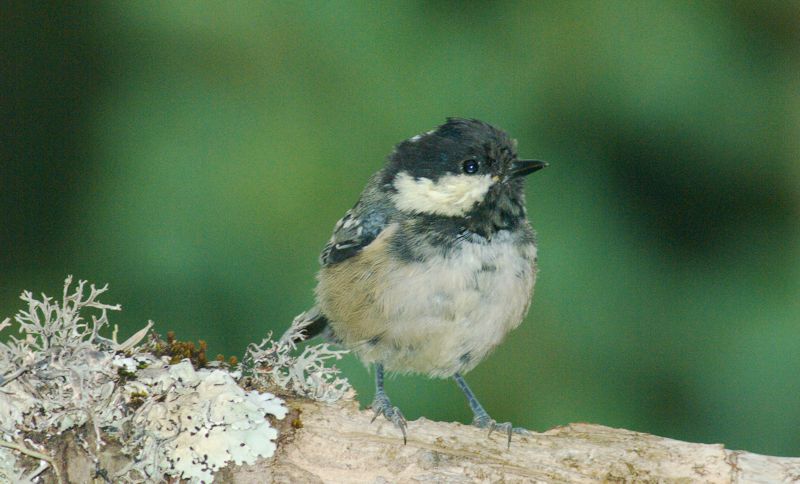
{"x": 503, "y": 428}
{"x": 382, "y": 406}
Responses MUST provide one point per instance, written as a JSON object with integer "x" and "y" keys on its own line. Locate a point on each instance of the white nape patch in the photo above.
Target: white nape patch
{"x": 416, "y": 138}
{"x": 451, "y": 195}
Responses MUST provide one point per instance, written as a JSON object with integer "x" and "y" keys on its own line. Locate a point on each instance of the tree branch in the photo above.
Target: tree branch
{"x": 337, "y": 443}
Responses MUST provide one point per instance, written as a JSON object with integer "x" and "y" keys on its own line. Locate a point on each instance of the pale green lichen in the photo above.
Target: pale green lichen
{"x": 171, "y": 420}
{"x": 307, "y": 374}
{"x": 206, "y": 421}
{"x": 58, "y": 375}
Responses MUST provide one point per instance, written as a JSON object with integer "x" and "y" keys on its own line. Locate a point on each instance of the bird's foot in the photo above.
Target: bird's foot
{"x": 382, "y": 406}
{"x": 486, "y": 422}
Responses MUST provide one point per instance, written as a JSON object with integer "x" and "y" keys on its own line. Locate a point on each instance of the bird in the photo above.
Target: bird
{"x": 434, "y": 264}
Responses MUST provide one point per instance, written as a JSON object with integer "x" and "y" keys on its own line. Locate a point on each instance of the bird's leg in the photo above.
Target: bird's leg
{"x": 382, "y": 406}
{"x": 481, "y": 418}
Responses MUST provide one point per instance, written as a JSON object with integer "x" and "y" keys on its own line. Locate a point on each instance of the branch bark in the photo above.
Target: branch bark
{"x": 321, "y": 443}
{"x": 339, "y": 444}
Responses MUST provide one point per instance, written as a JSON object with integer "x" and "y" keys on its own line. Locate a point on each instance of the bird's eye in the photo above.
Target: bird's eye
{"x": 470, "y": 167}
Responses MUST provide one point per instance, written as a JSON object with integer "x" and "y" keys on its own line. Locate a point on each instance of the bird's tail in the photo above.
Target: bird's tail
{"x": 305, "y": 326}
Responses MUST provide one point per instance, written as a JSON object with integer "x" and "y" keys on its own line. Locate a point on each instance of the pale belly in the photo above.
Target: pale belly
{"x": 436, "y": 317}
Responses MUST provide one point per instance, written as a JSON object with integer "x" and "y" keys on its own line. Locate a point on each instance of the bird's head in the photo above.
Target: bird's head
{"x": 456, "y": 169}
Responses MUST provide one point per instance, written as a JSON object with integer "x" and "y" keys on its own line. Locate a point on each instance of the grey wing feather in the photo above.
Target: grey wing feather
{"x": 352, "y": 233}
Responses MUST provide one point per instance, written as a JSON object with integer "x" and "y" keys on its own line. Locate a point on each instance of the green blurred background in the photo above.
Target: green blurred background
{"x": 196, "y": 156}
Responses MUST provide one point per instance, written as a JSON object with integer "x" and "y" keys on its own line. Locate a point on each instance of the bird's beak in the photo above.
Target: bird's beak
{"x": 520, "y": 168}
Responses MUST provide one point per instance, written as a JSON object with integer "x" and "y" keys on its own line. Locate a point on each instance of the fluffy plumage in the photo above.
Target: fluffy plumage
{"x": 436, "y": 262}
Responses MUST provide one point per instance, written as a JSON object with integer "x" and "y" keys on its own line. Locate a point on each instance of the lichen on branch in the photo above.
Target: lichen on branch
{"x": 167, "y": 415}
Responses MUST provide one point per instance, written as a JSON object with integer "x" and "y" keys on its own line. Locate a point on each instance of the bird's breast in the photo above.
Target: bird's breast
{"x": 441, "y": 314}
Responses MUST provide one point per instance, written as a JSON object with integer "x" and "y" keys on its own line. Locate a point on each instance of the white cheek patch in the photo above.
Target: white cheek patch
{"x": 450, "y": 195}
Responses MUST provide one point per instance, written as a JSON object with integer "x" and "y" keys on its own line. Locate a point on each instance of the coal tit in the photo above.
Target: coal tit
{"x": 435, "y": 263}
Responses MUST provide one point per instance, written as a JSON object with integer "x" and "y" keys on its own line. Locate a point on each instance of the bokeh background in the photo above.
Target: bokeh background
{"x": 196, "y": 155}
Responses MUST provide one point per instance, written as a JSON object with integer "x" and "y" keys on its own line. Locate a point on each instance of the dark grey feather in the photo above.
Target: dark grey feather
{"x": 357, "y": 229}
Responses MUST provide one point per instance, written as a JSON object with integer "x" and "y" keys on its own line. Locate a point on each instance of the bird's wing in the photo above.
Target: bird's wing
{"x": 352, "y": 233}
